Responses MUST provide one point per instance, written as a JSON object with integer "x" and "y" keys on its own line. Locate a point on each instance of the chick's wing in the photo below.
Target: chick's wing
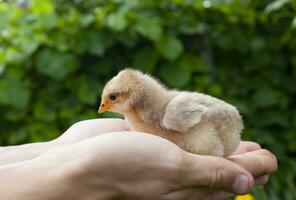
{"x": 183, "y": 112}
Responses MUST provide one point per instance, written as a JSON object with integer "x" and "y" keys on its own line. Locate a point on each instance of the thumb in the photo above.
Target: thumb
{"x": 217, "y": 173}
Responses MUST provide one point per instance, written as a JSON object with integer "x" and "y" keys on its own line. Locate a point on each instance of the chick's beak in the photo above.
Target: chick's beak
{"x": 104, "y": 107}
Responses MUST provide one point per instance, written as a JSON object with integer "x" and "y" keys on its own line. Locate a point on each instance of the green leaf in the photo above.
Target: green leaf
{"x": 2, "y": 68}
{"x": 49, "y": 133}
{"x": 86, "y": 19}
{"x": 192, "y": 63}
{"x": 149, "y": 28}
{"x": 276, "y": 5}
{"x": 16, "y": 115}
{"x": 28, "y": 45}
{"x": 116, "y": 21}
{"x": 14, "y": 93}
{"x": 294, "y": 22}
{"x": 44, "y": 20}
{"x": 56, "y": 65}
{"x": 170, "y": 47}
{"x": 215, "y": 90}
{"x": 174, "y": 76}
{"x": 43, "y": 112}
{"x": 93, "y": 42}
{"x": 265, "y": 97}
{"x": 145, "y": 60}
{"x": 259, "y": 193}
{"x": 89, "y": 91}
{"x": 13, "y": 55}
{"x": 98, "y": 43}
{"x": 191, "y": 26}
{"x": 129, "y": 38}
{"x": 18, "y": 137}
{"x": 257, "y": 43}
{"x": 42, "y": 6}
{"x": 5, "y": 15}
{"x": 148, "y": 3}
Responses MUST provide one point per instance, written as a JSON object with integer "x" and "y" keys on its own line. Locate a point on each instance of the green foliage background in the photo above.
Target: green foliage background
{"x": 55, "y": 57}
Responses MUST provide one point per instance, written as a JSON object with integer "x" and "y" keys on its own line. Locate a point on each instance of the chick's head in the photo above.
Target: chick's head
{"x": 121, "y": 92}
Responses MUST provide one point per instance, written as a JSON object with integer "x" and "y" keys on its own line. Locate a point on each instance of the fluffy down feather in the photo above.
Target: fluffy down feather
{"x": 196, "y": 122}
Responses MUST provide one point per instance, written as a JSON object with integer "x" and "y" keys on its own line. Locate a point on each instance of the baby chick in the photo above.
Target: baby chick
{"x": 196, "y": 122}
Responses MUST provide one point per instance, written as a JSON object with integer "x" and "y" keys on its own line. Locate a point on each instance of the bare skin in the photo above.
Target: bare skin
{"x": 76, "y": 133}
{"x": 85, "y": 164}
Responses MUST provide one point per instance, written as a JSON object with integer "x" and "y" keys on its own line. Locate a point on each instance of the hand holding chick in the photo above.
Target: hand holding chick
{"x": 197, "y": 123}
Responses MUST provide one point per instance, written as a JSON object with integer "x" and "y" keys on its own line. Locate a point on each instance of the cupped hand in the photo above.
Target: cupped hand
{"x": 133, "y": 165}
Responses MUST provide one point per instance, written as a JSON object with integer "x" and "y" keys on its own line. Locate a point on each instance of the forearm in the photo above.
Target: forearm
{"x": 14, "y": 154}
{"x": 51, "y": 176}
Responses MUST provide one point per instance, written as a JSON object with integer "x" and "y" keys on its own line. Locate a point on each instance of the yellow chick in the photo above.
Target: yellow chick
{"x": 197, "y": 123}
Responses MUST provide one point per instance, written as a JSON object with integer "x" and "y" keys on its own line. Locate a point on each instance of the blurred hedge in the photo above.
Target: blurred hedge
{"x": 55, "y": 57}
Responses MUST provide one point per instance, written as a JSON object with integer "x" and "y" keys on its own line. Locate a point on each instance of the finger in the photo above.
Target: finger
{"x": 217, "y": 173}
{"x": 258, "y": 163}
{"x": 225, "y": 195}
{"x": 261, "y": 180}
{"x": 246, "y": 146}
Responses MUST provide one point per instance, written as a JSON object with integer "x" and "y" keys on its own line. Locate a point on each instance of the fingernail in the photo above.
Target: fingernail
{"x": 241, "y": 184}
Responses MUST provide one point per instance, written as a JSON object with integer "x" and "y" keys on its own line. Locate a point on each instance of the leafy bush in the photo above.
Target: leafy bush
{"x": 55, "y": 57}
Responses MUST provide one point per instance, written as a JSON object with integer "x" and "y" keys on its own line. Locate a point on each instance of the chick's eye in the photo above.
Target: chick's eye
{"x": 112, "y": 97}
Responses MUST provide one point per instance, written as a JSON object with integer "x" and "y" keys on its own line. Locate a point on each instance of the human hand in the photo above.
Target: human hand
{"x": 90, "y": 128}
{"x": 131, "y": 165}
{"x": 101, "y": 166}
